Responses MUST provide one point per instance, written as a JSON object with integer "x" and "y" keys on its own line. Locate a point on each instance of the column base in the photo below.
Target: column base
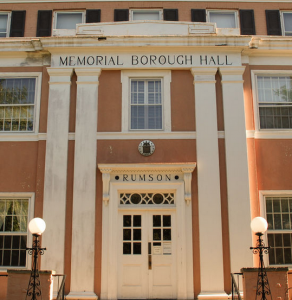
{"x": 81, "y": 295}
{"x": 213, "y": 296}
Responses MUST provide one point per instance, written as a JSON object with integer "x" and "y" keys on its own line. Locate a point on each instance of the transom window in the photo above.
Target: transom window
{"x": 223, "y": 19}
{"x": 68, "y": 20}
{"x": 17, "y": 104}
{"x": 287, "y": 23}
{"x": 145, "y": 14}
{"x": 146, "y": 104}
{"x": 146, "y": 198}
{"x": 275, "y": 102}
{"x": 4, "y": 24}
{"x": 13, "y": 232}
{"x": 279, "y": 216}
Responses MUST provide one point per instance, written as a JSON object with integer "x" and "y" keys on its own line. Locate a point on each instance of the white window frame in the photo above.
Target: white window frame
{"x": 254, "y": 75}
{"x": 8, "y": 21}
{"x": 235, "y": 12}
{"x": 165, "y": 76}
{"x": 31, "y": 201}
{"x": 55, "y": 17}
{"x": 38, "y": 77}
{"x": 263, "y": 213}
{"x": 133, "y": 11}
{"x": 282, "y": 22}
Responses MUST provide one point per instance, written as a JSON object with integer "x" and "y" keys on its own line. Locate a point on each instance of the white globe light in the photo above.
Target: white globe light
{"x": 37, "y": 226}
{"x": 259, "y": 224}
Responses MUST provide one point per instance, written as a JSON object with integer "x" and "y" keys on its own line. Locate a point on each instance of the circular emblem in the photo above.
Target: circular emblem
{"x": 146, "y": 148}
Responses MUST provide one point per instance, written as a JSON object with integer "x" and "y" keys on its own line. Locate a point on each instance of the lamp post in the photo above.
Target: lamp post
{"x": 36, "y": 226}
{"x": 259, "y": 225}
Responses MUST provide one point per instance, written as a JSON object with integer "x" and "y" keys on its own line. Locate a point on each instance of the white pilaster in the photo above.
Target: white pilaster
{"x": 210, "y": 225}
{"x": 237, "y": 168}
{"x": 83, "y": 224}
{"x": 54, "y": 210}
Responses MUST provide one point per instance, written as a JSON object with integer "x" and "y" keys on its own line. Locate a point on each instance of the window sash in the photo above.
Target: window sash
{"x": 13, "y": 232}
{"x": 146, "y": 104}
{"x": 223, "y": 19}
{"x": 287, "y": 23}
{"x": 17, "y": 104}
{"x": 274, "y": 96}
{"x": 4, "y": 24}
{"x": 145, "y": 15}
{"x": 68, "y": 20}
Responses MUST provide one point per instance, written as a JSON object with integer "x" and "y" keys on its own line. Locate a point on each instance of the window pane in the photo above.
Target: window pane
{"x": 68, "y": 20}
{"x": 146, "y": 15}
{"x": 223, "y": 19}
{"x": 3, "y": 25}
{"x": 287, "y": 21}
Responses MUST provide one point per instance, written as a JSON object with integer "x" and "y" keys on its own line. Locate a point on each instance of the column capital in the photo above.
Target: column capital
{"x": 60, "y": 75}
{"x": 204, "y": 74}
{"x": 231, "y": 74}
{"x": 87, "y": 75}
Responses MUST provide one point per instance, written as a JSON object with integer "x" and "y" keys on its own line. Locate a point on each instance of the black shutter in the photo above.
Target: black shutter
{"x": 17, "y": 23}
{"x": 121, "y": 15}
{"x": 273, "y": 22}
{"x": 92, "y": 15}
{"x": 247, "y": 25}
{"x": 198, "y": 15}
{"x": 44, "y": 25}
{"x": 170, "y": 14}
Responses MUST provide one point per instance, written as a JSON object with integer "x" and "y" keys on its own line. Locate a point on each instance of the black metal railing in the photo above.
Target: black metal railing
{"x": 61, "y": 286}
{"x": 235, "y": 286}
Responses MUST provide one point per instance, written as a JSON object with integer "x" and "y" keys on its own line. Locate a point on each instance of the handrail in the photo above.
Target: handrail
{"x": 61, "y": 287}
{"x": 234, "y": 287}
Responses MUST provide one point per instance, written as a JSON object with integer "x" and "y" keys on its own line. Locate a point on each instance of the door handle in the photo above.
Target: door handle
{"x": 149, "y": 257}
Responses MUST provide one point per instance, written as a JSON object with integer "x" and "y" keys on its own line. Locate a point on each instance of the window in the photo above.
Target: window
{"x": 17, "y": 104}
{"x": 274, "y": 94}
{"x": 146, "y": 14}
{"x": 279, "y": 217}
{"x": 4, "y": 24}
{"x": 146, "y": 105}
{"x": 14, "y": 214}
{"x": 287, "y": 23}
{"x": 146, "y": 100}
{"x": 223, "y": 19}
{"x": 68, "y": 20}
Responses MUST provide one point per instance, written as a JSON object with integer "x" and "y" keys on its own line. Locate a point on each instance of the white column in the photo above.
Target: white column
{"x": 210, "y": 225}
{"x": 83, "y": 231}
{"x": 237, "y": 168}
{"x": 54, "y": 210}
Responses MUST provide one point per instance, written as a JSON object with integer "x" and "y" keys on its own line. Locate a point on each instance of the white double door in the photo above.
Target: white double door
{"x": 147, "y": 255}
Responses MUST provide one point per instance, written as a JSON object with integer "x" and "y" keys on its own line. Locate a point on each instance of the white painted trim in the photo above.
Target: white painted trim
{"x": 165, "y": 75}
{"x": 109, "y": 237}
{"x": 31, "y": 198}
{"x": 270, "y": 134}
{"x": 37, "y": 98}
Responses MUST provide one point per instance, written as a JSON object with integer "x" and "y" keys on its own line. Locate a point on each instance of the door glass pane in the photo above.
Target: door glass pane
{"x": 127, "y": 221}
{"x": 137, "y": 248}
{"x": 137, "y": 221}
{"x": 127, "y": 234}
{"x": 127, "y": 248}
{"x": 167, "y": 234}
{"x": 157, "y": 234}
{"x": 166, "y": 221}
{"x": 156, "y": 221}
{"x": 137, "y": 235}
